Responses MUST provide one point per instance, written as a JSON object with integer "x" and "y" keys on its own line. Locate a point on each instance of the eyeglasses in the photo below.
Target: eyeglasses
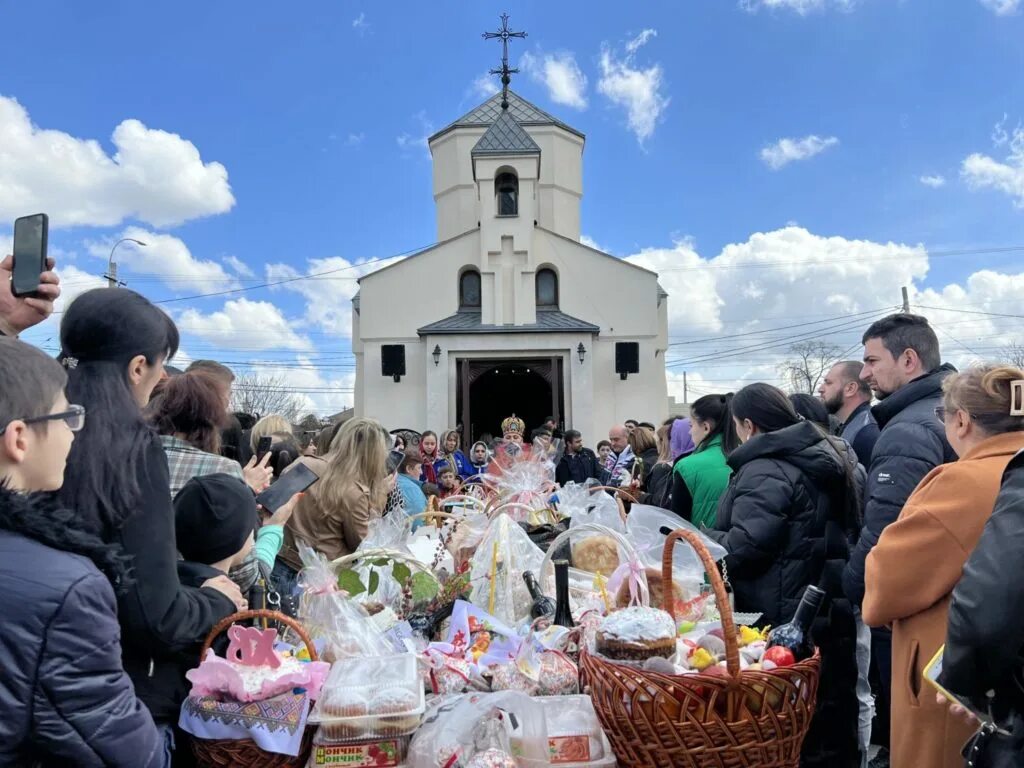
{"x": 74, "y": 417}
{"x": 940, "y": 413}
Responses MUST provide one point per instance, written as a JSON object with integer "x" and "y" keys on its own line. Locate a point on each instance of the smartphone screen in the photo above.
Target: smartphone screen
{"x": 263, "y": 446}
{"x": 296, "y": 480}
{"x": 30, "y": 234}
{"x": 931, "y": 674}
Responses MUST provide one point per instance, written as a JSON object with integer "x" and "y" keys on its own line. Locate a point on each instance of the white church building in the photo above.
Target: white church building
{"x": 509, "y": 312}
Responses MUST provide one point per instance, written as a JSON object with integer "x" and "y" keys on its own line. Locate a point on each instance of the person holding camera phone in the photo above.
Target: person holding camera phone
{"x": 19, "y": 313}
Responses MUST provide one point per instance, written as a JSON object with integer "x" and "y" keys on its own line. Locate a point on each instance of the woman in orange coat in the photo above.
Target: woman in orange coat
{"x": 918, "y": 560}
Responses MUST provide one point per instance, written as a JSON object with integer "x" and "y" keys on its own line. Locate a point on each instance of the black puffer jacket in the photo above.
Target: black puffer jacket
{"x": 911, "y": 444}
{"x": 773, "y": 517}
{"x": 64, "y": 697}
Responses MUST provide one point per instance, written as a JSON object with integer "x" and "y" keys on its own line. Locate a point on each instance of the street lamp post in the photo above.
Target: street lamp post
{"x": 112, "y": 266}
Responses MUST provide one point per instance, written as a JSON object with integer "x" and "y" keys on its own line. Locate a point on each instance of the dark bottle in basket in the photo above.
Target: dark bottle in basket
{"x": 796, "y": 635}
{"x": 543, "y": 606}
{"x": 563, "y": 615}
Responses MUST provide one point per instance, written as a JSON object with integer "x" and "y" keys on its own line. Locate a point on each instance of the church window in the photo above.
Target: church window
{"x": 547, "y": 289}
{"x": 469, "y": 290}
{"x": 506, "y": 187}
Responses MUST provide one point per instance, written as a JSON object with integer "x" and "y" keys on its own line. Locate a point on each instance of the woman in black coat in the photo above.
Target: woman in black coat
{"x": 114, "y": 345}
{"x": 784, "y": 520}
{"x": 985, "y": 639}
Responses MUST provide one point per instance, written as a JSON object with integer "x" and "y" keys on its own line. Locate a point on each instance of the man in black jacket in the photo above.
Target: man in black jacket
{"x": 848, "y": 398}
{"x": 578, "y": 464}
{"x": 985, "y": 642}
{"x": 903, "y": 367}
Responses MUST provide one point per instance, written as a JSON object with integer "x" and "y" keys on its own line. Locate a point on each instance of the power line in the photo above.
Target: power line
{"x": 971, "y": 312}
{"x": 778, "y": 328}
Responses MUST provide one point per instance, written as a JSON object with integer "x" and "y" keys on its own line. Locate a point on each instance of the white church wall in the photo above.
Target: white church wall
{"x": 641, "y": 396}
{"x": 505, "y": 301}
{"x": 397, "y": 300}
{"x": 394, "y": 403}
{"x": 561, "y": 179}
{"x": 455, "y": 192}
{"x": 601, "y": 289}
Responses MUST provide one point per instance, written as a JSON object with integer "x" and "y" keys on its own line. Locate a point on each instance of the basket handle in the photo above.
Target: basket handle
{"x": 260, "y": 613}
{"x": 732, "y": 651}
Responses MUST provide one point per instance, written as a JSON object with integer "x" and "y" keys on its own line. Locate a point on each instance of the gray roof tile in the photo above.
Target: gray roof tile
{"x": 506, "y": 137}
{"x": 548, "y": 321}
{"x": 521, "y": 110}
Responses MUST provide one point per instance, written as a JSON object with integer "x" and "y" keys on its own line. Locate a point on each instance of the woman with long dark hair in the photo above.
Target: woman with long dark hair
{"x": 114, "y": 344}
{"x": 700, "y": 479}
{"x": 783, "y": 519}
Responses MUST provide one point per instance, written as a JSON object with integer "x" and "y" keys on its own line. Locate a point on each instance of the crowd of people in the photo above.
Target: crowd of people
{"x": 129, "y": 527}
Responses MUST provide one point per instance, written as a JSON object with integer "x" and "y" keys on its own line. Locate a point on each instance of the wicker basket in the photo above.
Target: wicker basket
{"x": 737, "y": 720}
{"x": 244, "y": 753}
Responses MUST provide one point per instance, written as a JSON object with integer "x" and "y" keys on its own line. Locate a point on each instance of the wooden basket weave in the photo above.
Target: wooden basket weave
{"x": 736, "y": 720}
{"x": 244, "y": 753}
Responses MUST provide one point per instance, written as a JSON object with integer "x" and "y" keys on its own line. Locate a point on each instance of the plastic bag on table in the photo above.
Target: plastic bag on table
{"x": 388, "y": 532}
{"x": 457, "y": 728}
{"x": 644, "y": 526}
{"x": 330, "y": 615}
{"x": 496, "y": 570}
{"x": 574, "y": 498}
{"x": 466, "y": 533}
{"x": 592, "y": 551}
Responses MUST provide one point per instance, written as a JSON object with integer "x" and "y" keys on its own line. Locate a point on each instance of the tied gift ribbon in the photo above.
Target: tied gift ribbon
{"x": 634, "y": 571}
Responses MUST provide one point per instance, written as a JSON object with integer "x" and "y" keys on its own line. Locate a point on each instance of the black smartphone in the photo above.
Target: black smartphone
{"x": 296, "y": 480}
{"x": 30, "y": 235}
{"x": 263, "y": 446}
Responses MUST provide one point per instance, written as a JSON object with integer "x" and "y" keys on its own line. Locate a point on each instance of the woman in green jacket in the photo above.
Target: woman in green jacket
{"x": 699, "y": 479}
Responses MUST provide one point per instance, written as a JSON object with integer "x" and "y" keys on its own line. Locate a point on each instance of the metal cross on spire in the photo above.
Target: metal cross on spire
{"x": 504, "y": 34}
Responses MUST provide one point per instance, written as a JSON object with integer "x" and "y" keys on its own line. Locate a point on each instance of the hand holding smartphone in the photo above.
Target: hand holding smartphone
{"x": 30, "y": 243}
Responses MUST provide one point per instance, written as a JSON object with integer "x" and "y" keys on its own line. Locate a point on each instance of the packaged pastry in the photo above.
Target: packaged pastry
{"x": 596, "y": 554}
{"x": 654, "y": 588}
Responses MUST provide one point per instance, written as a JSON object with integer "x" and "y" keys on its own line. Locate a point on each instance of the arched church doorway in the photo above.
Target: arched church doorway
{"x": 491, "y": 390}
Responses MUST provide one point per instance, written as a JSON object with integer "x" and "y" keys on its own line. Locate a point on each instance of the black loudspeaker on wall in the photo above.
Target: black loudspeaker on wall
{"x": 392, "y": 361}
{"x": 627, "y": 358}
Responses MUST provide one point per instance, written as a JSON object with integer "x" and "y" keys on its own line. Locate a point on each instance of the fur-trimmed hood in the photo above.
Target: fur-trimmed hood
{"x": 41, "y": 517}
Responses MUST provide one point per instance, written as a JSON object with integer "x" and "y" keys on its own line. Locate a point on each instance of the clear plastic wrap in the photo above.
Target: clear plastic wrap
{"x": 388, "y": 532}
{"x": 592, "y": 550}
{"x": 331, "y": 616}
{"x": 522, "y": 479}
{"x": 457, "y": 728}
{"x": 496, "y": 570}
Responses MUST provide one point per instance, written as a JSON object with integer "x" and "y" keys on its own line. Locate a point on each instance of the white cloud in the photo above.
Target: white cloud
{"x": 1007, "y": 176}
{"x": 936, "y": 181}
{"x": 803, "y": 7}
{"x": 637, "y": 90}
{"x": 360, "y": 24}
{"x": 560, "y": 74}
{"x": 640, "y": 40}
{"x": 485, "y": 86}
{"x": 155, "y": 176}
{"x": 785, "y": 151}
{"x": 240, "y": 267}
{"x": 791, "y": 276}
{"x": 163, "y": 256}
{"x": 354, "y": 139}
{"x": 407, "y": 141}
{"x": 252, "y": 325}
{"x": 321, "y": 393}
{"x": 1002, "y": 7}
{"x": 592, "y": 243}
{"x": 329, "y": 291}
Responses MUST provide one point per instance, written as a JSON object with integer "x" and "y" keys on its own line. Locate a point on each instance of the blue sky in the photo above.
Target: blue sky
{"x": 315, "y": 113}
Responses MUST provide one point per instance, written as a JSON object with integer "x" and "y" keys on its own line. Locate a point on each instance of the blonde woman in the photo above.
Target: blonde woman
{"x": 918, "y": 560}
{"x": 266, "y": 427}
{"x": 333, "y": 516}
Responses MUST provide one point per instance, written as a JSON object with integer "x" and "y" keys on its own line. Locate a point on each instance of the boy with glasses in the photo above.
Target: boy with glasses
{"x": 66, "y": 696}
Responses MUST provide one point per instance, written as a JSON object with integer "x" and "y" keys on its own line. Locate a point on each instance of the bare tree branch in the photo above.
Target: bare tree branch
{"x": 1013, "y": 354}
{"x": 807, "y": 365}
{"x": 263, "y": 395}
